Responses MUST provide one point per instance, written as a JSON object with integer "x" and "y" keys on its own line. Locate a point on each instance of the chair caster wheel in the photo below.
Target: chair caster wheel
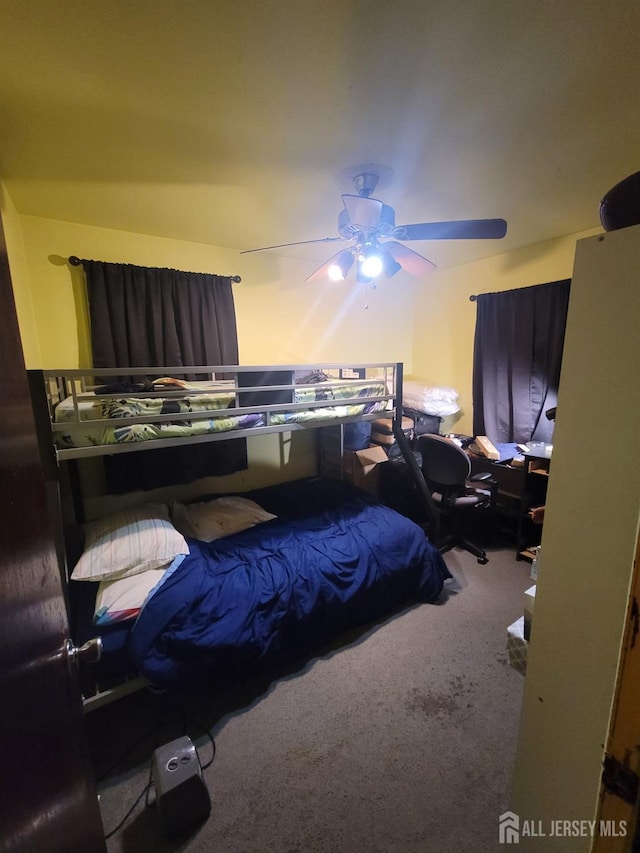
{"x": 483, "y": 560}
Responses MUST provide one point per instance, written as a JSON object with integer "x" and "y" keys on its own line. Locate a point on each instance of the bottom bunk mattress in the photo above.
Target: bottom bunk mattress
{"x": 332, "y": 559}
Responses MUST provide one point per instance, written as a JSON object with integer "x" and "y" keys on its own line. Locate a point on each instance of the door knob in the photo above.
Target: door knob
{"x": 89, "y": 652}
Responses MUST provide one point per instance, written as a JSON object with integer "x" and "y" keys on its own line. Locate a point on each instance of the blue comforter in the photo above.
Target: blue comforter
{"x": 333, "y": 559}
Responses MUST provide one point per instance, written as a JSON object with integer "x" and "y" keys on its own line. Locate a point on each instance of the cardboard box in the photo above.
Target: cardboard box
{"x": 487, "y": 447}
{"x": 517, "y": 646}
{"x": 535, "y": 563}
{"x": 529, "y": 601}
{"x": 361, "y": 467}
{"x": 382, "y": 430}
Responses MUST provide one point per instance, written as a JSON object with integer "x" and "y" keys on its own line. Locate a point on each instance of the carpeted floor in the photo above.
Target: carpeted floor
{"x": 400, "y": 738}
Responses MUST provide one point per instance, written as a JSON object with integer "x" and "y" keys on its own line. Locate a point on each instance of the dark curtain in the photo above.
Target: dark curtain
{"x": 518, "y": 345}
{"x": 148, "y": 317}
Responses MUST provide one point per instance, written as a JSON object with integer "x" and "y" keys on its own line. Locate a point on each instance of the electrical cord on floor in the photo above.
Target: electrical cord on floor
{"x": 213, "y": 749}
{"x": 145, "y": 791}
{"x": 125, "y": 754}
{"x": 189, "y": 723}
{"x": 155, "y": 731}
{"x": 149, "y": 785}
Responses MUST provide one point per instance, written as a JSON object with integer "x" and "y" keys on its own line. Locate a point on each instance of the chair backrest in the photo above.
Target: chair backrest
{"x": 444, "y": 464}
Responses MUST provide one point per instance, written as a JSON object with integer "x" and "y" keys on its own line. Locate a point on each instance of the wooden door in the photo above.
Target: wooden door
{"x": 48, "y": 801}
{"x": 617, "y": 829}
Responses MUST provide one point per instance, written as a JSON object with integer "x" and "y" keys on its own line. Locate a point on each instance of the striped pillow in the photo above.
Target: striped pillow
{"x": 129, "y": 542}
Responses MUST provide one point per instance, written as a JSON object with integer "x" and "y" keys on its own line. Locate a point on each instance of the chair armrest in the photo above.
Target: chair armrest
{"x": 483, "y": 476}
{"x": 487, "y": 479}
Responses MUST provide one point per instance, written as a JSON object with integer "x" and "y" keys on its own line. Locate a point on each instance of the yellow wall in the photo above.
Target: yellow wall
{"x": 426, "y": 323}
{"x": 280, "y": 318}
{"x": 444, "y": 317}
{"x": 19, "y": 278}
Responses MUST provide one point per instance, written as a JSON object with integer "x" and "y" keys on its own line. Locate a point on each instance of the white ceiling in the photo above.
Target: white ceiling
{"x": 229, "y": 123}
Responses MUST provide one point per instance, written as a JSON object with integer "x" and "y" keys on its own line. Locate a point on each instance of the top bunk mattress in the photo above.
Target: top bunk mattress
{"x": 175, "y": 409}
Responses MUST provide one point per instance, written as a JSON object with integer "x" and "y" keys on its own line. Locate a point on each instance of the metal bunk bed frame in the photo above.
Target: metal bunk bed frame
{"x": 70, "y": 384}
{"x": 50, "y": 387}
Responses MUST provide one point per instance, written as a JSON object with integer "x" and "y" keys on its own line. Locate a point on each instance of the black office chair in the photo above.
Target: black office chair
{"x": 447, "y": 471}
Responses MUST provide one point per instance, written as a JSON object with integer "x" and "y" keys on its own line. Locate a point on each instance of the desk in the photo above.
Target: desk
{"x": 507, "y": 511}
{"x": 520, "y": 488}
{"x": 537, "y": 464}
{"x": 510, "y": 480}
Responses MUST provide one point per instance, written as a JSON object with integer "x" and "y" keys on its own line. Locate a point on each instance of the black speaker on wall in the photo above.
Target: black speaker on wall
{"x": 620, "y": 207}
{"x": 182, "y": 798}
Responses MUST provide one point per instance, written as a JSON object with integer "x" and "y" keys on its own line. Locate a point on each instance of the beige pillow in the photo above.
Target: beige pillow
{"x": 217, "y": 518}
{"x": 129, "y": 542}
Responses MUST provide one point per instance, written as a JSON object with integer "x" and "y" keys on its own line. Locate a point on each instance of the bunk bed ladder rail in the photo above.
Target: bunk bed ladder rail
{"x": 417, "y": 477}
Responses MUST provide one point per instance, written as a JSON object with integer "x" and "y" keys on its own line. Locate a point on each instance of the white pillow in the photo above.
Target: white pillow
{"x": 122, "y": 599}
{"x": 129, "y": 542}
{"x": 433, "y": 400}
{"x": 217, "y": 518}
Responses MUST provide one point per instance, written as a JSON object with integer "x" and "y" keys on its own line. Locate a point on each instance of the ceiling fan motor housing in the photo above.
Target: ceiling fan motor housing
{"x": 384, "y": 227}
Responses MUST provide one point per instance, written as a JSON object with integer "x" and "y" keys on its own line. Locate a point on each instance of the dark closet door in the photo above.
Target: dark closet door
{"x": 48, "y": 800}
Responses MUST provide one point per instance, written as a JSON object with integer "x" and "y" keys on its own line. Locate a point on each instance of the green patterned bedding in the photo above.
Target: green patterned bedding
{"x": 199, "y": 398}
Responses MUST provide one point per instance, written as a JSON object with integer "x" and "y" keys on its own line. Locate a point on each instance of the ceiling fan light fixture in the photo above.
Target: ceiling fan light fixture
{"x": 370, "y": 262}
{"x": 390, "y": 265}
{"x": 341, "y": 266}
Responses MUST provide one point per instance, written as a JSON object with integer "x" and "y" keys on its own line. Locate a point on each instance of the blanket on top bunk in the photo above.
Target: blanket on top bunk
{"x": 194, "y": 403}
{"x": 331, "y": 559}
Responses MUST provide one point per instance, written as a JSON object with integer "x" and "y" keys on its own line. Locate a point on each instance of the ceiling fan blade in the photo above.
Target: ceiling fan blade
{"x": 323, "y": 271}
{"x": 299, "y": 243}
{"x": 466, "y": 229}
{"x": 409, "y": 260}
{"x": 364, "y": 212}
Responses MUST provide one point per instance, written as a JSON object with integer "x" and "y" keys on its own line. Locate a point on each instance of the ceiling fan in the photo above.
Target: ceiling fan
{"x": 377, "y": 242}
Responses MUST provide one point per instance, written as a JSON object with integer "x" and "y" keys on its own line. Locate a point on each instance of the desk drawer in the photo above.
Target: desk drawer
{"x": 510, "y": 480}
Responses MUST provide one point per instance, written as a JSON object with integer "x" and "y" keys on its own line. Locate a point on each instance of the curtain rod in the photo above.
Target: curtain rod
{"x": 76, "y": 262}
{"x": 474, "y": 297}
